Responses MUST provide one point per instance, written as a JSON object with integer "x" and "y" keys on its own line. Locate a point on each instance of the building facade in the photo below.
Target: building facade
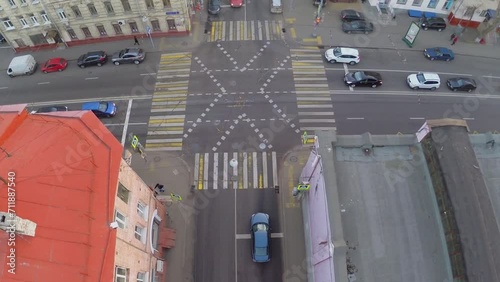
{"x": 471, "y": 13}
{"x": 47, "y": 23}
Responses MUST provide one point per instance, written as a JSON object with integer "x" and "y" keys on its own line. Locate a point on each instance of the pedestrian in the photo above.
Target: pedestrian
{"x": 136, "y": 42}
{"x": 159, "y": 187}
{"x": 453, "y": 35}
{"x": 455, "y": 39}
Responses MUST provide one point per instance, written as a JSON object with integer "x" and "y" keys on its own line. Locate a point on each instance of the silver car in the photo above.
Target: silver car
{"x": 129, "y": 55}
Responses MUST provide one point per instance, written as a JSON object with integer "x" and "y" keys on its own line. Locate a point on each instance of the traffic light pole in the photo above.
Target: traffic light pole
{"x": 318, "y": 18}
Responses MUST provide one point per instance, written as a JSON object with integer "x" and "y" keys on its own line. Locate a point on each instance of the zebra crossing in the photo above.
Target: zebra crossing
{"x": 314, "y": 102}
{"x": 235, "y": 170}
{"x": 246, "y": 30}
{"x": 168, "y": 110}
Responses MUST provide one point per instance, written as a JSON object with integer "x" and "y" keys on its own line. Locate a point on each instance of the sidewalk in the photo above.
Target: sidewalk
{"x": 388, "y": 32}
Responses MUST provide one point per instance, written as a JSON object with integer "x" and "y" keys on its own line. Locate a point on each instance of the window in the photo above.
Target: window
{"x": 141, "y": 276}
{"x": 469, "y": 12}
{"x": 120, "y": 219}
{"x": 109, "y": 7}
{"x": 61, "y": 14}
{"x": 72, "y": 33}
{"x": 432, "y": 4}
{"x": 12, "y": 3}
{"x": 121, "y": 274}
{"x": 101, "y": 30}
{"x": 92, "y": 9}
{"x": 123, "y": 193}
{"x": 133, "y": 27}
{"x": 139, "y": 232}
{"x": 142, "y": 210}
{"x": 417, "y": 3}
{"x": 8, "y": 24}
{"x": 117, "y": 28}
{"x": 76, "y": 11}
{"x": 20, "y": 42}
{"x": 45, "y": 18}
{"x": 149, "y": 4}
{"x": 86, "y": 32}
{"x": 156, "y": 25}
{"x": 402, "y": 2}
{"x": 33, "y": 19}
{"x": 166, "y": 3}
{"x": 23, "y": 3}
{"x": 126, "y": 6}
{"x": 483, "y": 13}
{"x": 24, "y": 22}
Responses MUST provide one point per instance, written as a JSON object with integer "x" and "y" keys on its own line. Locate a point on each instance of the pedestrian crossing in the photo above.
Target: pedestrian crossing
{"x": 235, "y": 170}
{"x": 314, "y": 102}
{"x": 168, "y": 110}
{"x": 246, "y": 30}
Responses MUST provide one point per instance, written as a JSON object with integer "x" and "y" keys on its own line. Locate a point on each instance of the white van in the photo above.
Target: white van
{"x": 276, "y": 7}
{"x": 22, "y": 65}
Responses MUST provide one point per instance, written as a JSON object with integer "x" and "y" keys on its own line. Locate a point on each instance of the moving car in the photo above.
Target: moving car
{"x": 357, "y": 27}
{"x": 439, "y": 53}
{"x": 54, "y": 64}
{"x": 96, "y": 58}
{"x": 363, "y": 78}
{"x": 129, "y": 55}
{"x": 351, "y": 15}
{"x": 22, "y": 65}
{"x": 261, "y": 237}
{"x": 213, "y": 7}
{"x": 424, "y": 80}
{"x": 100, "y": 109}
{"x": 342, "y": 55}
{"x": 236, "y": 3}
{"x": 433, "y": 23}
{"x": 50, "y": 109}
{"x": 461, "y": 84}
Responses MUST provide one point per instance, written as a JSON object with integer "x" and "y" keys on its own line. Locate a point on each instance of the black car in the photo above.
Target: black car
{"x": 213, "y": 7}
{"x": 50, "y": 109}
{"x": 461, "y": 84}
{"x": 96, "y": 58}
{"x": 357, "y": 27}
{"x": 433, "y": 23}
{"x": 363, "y": 78}
{"x": 351, "y": 15}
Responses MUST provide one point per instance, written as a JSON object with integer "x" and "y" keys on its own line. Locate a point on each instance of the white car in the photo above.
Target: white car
{"x": 342, "y": 55}
{"x": 424, "y": 80}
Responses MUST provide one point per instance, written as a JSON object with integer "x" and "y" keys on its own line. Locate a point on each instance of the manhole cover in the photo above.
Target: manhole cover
{"x": 262, "y": 146}
{"x": 293, "y": 159}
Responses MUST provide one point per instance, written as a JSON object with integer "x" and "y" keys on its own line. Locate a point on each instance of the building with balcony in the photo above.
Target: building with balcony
{"x": 71, "y": 209}
{"x": 471, "y": 13}
{"x": 34, "y": 24}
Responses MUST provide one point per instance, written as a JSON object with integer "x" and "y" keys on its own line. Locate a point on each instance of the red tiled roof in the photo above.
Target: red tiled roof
{"x": 66, "y": 166}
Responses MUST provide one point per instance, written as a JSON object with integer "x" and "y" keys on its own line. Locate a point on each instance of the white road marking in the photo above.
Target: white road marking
{"x": 43, "y": 83}
{"x": 79, "y": 101}
{"x": 346, "y": 71}
{"x": 356, "y": 118}
{"x": 145, "y": 74}
{"x": 415, "y": 93}
{"x": 205, "y": 171}
{"x": 127, "y": 118}
{"x": 245, "y": 170}
{"x": 235, "y": 241}
{"x": 402, "y": 71}
{"x": 91, "y": 78}
{"x": 255, "y": 175}
{"x": 235, "y": 172}
{"x": 216, "y": 169}
{"x": 490, "y": 76}
{"x": 249, "y": 236}
{"x": 467, "y": 118}
{"x": 275, "y": 169}
{"x": 416, "y": 118}
{"x": 224, "y": 176}
{"x": 196, "y": 169}
{"x": 265, "y": 183}
{"x": 4, "y": 87}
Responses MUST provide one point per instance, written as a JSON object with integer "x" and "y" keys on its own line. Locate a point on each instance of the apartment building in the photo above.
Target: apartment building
{"x": 45, "y": 23}
{"x": 80, "y": 211}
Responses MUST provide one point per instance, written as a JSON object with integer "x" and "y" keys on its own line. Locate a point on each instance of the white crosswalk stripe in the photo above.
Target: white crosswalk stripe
{"x": 246, "y": 30}
{"x": 253, "y": 170}
{"x": 314, "y": 101}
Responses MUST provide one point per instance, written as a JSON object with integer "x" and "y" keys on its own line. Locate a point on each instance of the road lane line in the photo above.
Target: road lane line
{"x": 196, "y": 169}
{"x": 91, "y": 78}
{"x": 122, "y": 124}
{"x": 416, "y": 118}
{"x": 402, "y": 71}
{"x": 356, "y": 118}
{"x": 78, "y": 101}
{"x": 245, "y": 170}
{"x": 125, "y": 124}
{"x": 249, "y": 236}
{"x": 275, "y": 169}
{"x": 43, "y": 83}
{"x": 490, "y": 76}
{"x": 205, "y": 171}
{"x": 235, "y": 241}
{"x": 224, "y": 174}
{"x": 255, "y": 174}
{"x": 216, "y": 169}
{"x": 4, "y": 87}
{"x": 235, "y": 172}
{"x": 277, "y": 235}
{"x": 146, "y": 74}
{"x": 264, "y": 168}
{"x": 467, "y": 118}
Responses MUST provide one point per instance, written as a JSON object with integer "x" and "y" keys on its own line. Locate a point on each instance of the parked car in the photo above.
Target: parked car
{"x": 439, "y": 53}
{"x": 96, "y": 58}
{"x": 461, "y": 84}
{"x": 342, "y": 55}
{"x": 100, "y": 109}
{"x": 363, "y": 78}
{"x": 50, "y": 109}
{"x": 424, "y": 80}
{"x": 213, "y": 7}
{"x": 438, "y": 24}
{"x": 54, "y": 64}
{"x": 22, "y": 65}
{"x": 129, "y": 55}
{"x": 261, "y": 237}
{"x": 351, "y": 15}
{"x": 357, "y": 27}
{"x": 236, "y": 3}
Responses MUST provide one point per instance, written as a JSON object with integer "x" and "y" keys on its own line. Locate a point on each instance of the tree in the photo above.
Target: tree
{"x": 490, "y": 25}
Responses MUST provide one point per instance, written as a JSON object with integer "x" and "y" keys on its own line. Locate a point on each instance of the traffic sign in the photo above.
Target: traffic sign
{"x": 304, "y": 187}
{"x": 304, "y": 137}
{"x": 135, "y": 141}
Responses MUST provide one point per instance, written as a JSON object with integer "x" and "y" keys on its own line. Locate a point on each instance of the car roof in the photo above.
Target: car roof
{"x": 260, "y": 218}
{"x": 349, "y": 51}
{"x": 91, "y": 105}
{"x": 430, "y": 75}
{"x": 435, "y": 20}
{"x": 54, "y": 60}
{"x": 374, "y": 74}
{"x": 94, "y": 53}
{"x": 351, "y": 12}
{"x": 465, "y": 79}
{"x": 261, "y": 239}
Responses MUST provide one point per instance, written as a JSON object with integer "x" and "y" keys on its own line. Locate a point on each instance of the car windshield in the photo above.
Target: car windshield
{"x": 420, "y": 78}
{"x": 358, "y": 75}
{"x": 103, "y": 106}
{"x": 260, "y": 227}
{"x": 260, "y": 251}
{"x": 337, "y": 52}
{"x": 122, "y": 52}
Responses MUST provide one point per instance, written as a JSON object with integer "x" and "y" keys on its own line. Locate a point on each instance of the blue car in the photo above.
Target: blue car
{"x": 261, "y": 237}
{"x": 100, "y": 109}
{"x": 439, "y": 53}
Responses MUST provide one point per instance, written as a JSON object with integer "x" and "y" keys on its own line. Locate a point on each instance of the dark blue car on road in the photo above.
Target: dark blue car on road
{"x": 439, "y": 53}
{"x": 261, "y": 237}
{"x": 100, "y": 109}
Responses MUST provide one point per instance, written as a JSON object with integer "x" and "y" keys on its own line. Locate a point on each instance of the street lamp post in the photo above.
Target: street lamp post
{"x": 318, "y": 18}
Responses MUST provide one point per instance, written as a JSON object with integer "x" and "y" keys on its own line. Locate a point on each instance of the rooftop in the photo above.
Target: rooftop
{"x": 66, "y": 168}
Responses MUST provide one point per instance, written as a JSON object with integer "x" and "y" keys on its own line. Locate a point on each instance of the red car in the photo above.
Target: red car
{"x": 236, "y": 3}
{"x": 55, "y": 64}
